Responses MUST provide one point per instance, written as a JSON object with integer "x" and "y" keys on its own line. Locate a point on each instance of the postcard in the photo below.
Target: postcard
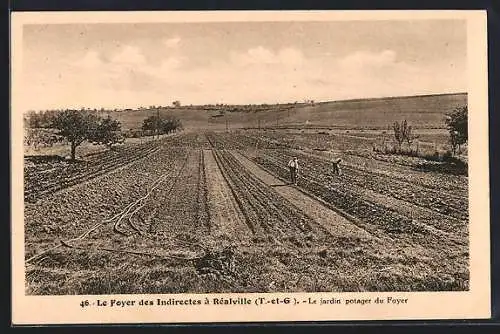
{"x": 178, "y": 167}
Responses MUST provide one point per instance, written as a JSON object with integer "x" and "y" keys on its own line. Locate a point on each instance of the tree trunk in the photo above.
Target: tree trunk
{"x": 73, "y": 151}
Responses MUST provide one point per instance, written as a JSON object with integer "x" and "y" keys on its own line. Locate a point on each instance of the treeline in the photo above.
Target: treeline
{"x": 156, "y": 125}
{"x": 41, "y": 119}
{"x": 78, "y": 126}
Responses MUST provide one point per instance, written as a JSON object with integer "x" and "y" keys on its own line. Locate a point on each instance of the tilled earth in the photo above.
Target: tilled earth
{"x": 189, "y": 215}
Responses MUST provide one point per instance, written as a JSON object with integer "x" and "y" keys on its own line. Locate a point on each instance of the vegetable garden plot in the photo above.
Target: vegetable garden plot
{"x": 267, "y": 214}
{"x": 48, "y": 178}
{"x": 457, "y": 185}
{"x": 341, "y": 195}
{"x": 89, "y": 208}
{"x": 226, "y": 219}
{"x": 159, "y": 225}
{"x": 444, "y": 203}
{"x": 73, "y": 210}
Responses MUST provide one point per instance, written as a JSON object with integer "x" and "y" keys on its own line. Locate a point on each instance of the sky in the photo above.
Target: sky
{"x": 120, "y": 65}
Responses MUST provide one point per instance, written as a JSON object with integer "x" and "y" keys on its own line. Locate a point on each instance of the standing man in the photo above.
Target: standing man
{"x": 293, "y": 165}
{"x": 336, "y": 166}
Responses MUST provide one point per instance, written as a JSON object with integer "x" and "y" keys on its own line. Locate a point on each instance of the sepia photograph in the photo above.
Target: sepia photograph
{"x": 245, "y": 156}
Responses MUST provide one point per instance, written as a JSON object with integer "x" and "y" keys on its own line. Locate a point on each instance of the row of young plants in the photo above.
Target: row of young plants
{"x": 366, "y": 213}
{"x": 46, "y": 178}
{"x": 267, "y": 213}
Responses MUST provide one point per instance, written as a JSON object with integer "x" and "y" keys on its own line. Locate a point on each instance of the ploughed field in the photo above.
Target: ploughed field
{"x": 214, "y": 212}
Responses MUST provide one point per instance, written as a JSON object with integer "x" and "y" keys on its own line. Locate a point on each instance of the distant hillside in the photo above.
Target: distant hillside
{"x": 426, "y": 111}
{"x": 421, "y": 111}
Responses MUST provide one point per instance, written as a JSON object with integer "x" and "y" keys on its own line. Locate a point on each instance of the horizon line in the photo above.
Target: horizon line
{"x": 388, "y": 97}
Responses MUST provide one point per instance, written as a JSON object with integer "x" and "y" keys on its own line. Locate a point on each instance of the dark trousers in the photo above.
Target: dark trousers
{"x": 293, "y": 174}
{"x": 336, "y": 170}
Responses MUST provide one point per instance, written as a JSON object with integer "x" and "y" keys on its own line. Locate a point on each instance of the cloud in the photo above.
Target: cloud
{"x": 169, "y": 64}
{"x": 263, "y": 56}
{"x": 290, "y": 56}
{"x": 90, "y": 60}
{"x": 373, "y": 74}
{"x": 362, "y": 59}
{"x": 172, "y": 42}
{"x": 129, "y": 55}
{"x": 256, "y": 75}
{"x": 127, "y": 72}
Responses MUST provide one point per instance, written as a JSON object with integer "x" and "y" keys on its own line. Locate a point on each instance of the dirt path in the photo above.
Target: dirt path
{"x": 227, "y": 220}
{"x": 329, "y": 219}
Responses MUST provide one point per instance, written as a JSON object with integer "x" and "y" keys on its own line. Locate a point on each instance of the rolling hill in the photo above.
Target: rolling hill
{"x": 424, "y": 111}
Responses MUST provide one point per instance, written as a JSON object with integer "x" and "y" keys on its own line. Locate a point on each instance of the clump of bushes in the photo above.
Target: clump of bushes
{"x": 456, "y": 123}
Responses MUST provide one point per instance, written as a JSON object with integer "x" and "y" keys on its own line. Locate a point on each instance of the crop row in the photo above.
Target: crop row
{"x": 318, "y": 141}
{"x": 409, "y": 173}
{"x": 453, "y": 185}
{"x": 75, "y": 210}
{"x": 203, "y": 214}
{"x": 178, "y": 206}
{"x": 322, "y": 175}
{"x": 189, "y": 140}
{"x": 427, "y": 195}
{"x": 267, "y": 214}
{"x": 433, "y": 199}
{"x": 48, "y": 179}
{"x": 428, "y": 198}
{"x": 424, "y": 194}
{"x": 323, "y": 143}
{"x": 43, "y": 178}
{"x": 367, "y": 214}
{"x": 232, "y": 141}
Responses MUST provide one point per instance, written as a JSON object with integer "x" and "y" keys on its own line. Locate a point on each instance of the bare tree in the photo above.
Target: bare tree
{"x": 398, "y": 134}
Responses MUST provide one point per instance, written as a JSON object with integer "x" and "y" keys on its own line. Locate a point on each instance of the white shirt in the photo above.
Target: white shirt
{"x": 293, "y": 163}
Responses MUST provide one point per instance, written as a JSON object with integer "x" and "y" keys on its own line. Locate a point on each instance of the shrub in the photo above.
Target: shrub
{"x": 456, "y": 122}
